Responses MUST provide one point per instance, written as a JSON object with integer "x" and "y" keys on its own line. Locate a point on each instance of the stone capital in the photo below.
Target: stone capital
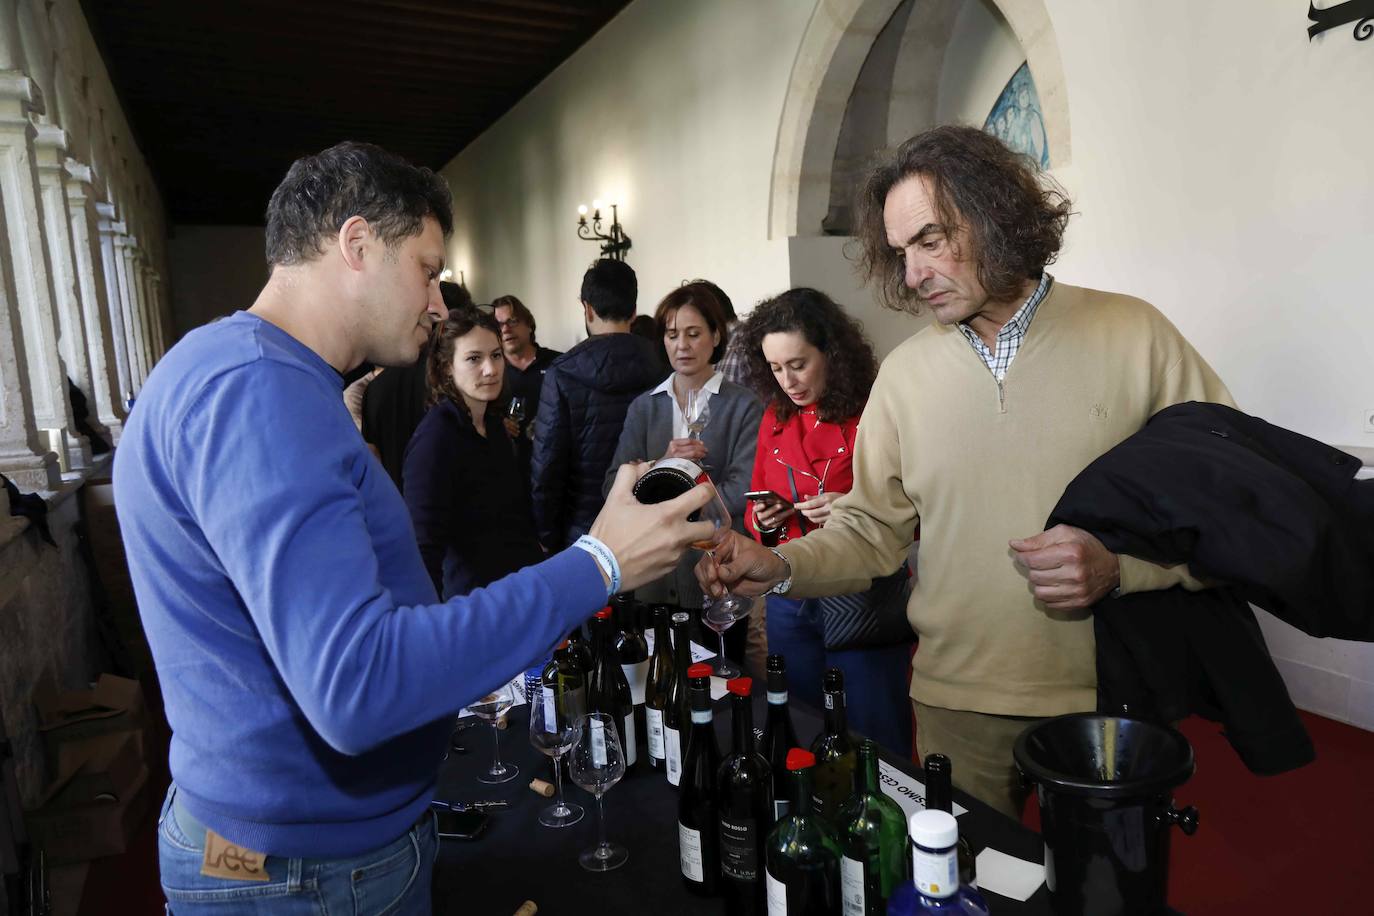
{"x": 80, "y": 172}
{"x": 52, "y": 140}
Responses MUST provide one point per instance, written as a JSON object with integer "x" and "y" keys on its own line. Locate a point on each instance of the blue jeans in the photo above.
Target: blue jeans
{"x": 394, "y": 879}
{"x": 877, "y": 682}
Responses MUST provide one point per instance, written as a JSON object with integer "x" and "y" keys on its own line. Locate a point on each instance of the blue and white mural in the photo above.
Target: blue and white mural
{"x": 1016, "y": 118}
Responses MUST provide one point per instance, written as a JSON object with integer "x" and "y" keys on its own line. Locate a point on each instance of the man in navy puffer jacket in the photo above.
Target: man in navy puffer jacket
{"x": 587, "y": 392}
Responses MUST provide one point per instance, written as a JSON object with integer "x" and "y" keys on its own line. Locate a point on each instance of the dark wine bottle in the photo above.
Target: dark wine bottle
{"x": 698, "y": 849}
{"x": 659, "y": 687}
{"x": 633, "y": 650}
{"x": 581, "y": 650}
{"x": 873, "y": 841}
{"x": 744, "y": 801}
{"x": 834, "y": 751}
{"x": 563, "y": 684}
{"x": 803, "y": 857}
{"x": 939, "y": 774}
{"x": 607, "y": 691}
{"x": 677, "y": 715}
{"x": 779, "y": 737}
{"x": 668, "y": 479}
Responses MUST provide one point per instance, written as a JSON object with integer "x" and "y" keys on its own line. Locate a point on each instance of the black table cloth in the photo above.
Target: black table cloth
{"x": 517, "y": 859}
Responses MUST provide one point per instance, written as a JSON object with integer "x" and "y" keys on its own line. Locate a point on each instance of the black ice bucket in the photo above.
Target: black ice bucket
{"x": 1105, "y": 786}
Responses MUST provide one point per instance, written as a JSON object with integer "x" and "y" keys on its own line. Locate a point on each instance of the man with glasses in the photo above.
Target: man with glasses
{"x": 526, "y": 363}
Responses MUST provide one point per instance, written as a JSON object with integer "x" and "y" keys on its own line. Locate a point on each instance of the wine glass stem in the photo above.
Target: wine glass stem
{"x": 559, "y": 804}
{"x": 495, "y": 747}
{"x": 720, "y": 634}
{"x": 601, "y": 822}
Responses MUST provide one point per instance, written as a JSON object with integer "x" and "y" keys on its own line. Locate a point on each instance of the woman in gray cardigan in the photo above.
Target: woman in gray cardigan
{"x": 693, "y": 326}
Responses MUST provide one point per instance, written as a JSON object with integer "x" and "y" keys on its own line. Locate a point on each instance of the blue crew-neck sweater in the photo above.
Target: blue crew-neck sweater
{"x": 309, "y": 672}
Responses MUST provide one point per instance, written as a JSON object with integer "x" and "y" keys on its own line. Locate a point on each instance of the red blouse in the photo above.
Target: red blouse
{"x": 820, "y": 455}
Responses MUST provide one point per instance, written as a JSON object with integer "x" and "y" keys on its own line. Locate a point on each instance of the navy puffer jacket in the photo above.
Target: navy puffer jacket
{"x": 587, "y": 392}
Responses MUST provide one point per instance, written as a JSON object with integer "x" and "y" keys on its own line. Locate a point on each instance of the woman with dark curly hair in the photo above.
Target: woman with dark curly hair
{"x": 463, "y": 484}
{"x": 813, "y": 366}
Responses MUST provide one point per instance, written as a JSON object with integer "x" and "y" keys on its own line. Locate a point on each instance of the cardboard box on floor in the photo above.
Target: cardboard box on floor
{"x": 100, "y": 796}
{"x": 113, "y": 704}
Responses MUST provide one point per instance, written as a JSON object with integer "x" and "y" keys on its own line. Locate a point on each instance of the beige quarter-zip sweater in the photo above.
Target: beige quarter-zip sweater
{"x": 978, "y": 463}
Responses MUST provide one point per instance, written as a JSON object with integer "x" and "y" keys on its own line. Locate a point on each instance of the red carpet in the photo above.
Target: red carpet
{"x": 1260, "y": 841}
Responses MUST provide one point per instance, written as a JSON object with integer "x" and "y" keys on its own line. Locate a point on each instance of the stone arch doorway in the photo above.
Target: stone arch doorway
{"x": 835, "y": 49}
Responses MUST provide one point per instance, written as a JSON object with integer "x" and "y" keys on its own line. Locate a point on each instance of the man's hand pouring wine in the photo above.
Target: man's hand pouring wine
{"x": 648, "y": 541}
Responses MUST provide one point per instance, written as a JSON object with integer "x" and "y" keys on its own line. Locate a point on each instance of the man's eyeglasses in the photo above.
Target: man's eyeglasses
{"x": 509, "y": 323}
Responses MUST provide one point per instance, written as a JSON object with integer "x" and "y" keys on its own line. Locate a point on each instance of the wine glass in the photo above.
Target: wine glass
{"x": 553, "y": 728}
{"x": 516, "y": 409}
{"x": 491, "y": 708}
{"x": 719, "y": 615}
{"x": 596, "y": 764}
{"x": 696, "y": 412}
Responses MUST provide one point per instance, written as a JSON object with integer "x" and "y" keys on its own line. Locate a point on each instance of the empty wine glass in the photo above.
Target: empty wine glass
{"x": 491, "y": 708}
{"x": 719, "y": 615}
{"x": 696, "y": 412}
{"x": 596, "y": 764}
{"x": 516, "y": 409}
{"x": 554, "y": 712}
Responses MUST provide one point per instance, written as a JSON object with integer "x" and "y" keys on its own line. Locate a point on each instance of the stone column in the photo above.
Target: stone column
{"x": 23, "y": 457}
{"x": 126, "y": 245}
{"x": 95, "y": 307}
{"x": 114, "y": 298}
{"x": 129, "y": 309}
{"x": 29, "y": 262}
{"x": 160, "y": 310}
{"x": 50, "y": 145}
{"x": 150, "y": 316}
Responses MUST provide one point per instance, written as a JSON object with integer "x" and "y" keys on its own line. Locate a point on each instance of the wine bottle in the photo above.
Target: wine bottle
{"x": 563, "y": 685}
{"x": 834, "y": 751}
{"x": 802, "y": 855}
{"x": 677, "y": 715}
{"x": 698, "y": 848}
{"x": 939, "y": 774}
{"x": 668, "y": 479}
{"x": 633, "y": 650}
{"x": 659, "y": 686}
{"x": 581, "y": 650}
{"x": 744, "y": 801}
{"x": 935, "y": 887}
{"x": 873, "y": 841}
{"x": 607, "y": 691}
{"x": 778, "y": 735}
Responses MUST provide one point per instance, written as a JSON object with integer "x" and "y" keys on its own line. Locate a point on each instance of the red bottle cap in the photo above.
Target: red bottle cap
{"x": 740, "y": 686}
{"x": 700, "y": 669}
{"x": 603, "y": 614}
{"x": 798, "y": 759}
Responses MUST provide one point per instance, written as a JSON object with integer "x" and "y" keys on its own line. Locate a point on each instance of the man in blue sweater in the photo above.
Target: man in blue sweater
{"x": 309, "y": 672}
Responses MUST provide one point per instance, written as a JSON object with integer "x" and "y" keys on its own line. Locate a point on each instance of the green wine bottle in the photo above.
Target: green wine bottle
{"x": 834, "y": 752}
{"x": 872, "y": 832}
{"x": 802, "y": 856}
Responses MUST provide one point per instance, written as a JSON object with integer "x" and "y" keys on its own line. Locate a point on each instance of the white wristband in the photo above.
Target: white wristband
{"x": 604, "y": 558}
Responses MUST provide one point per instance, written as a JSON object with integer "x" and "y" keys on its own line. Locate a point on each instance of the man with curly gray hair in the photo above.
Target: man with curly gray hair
{"x": 974, "y": 427}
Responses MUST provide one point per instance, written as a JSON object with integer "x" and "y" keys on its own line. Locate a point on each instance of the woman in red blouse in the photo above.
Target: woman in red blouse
{"x": 813, "y": 366}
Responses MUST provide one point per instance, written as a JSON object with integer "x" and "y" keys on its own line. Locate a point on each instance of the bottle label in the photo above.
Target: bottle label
{"x": 739, "y": 848}
{"x": 777, "y": 697}
{"x": 673, "y": 746}
{"x": 631, "y": 755}
{"x": 852, "y": 886}
{"x": 689, "y": 853}
{"x": 598, "y": 742}
{"x": 777, "y": 896}
{"x": 637, "y": 675}
{"x": 780, "y": 808}
{"x": 690, "y": 468}
{"x": 654, "y": 719}
{"x": 550, "y": 712}
{"x": 701, "y": 717}
{"x": 936, "y": 873}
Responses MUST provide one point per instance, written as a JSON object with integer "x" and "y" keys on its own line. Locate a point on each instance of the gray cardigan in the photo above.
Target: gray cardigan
{"x": 731, "y": 435}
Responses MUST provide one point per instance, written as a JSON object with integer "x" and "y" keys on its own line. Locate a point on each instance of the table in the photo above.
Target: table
{"x": 517, "y": 859}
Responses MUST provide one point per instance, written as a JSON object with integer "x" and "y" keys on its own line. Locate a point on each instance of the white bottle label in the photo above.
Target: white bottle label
{"x": 777, "y": 896}
{"x": 598, "y": 743}
{"x": 654, "y": 719}
{"x": 936, "y": 873}
{"x": 637, "y": 675}
{"x": 689, "y": 852}
{"x": 852, "y": 886}
{"x": 631, "y": 755}
{"x": 550, "y": 712}
{"x": 674, "y": 748}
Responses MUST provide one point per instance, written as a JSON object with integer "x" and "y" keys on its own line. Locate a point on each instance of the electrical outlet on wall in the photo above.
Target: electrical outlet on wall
{"x": 1369, "y": 420}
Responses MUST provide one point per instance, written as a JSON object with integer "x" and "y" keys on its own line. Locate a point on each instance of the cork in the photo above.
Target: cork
{"x": 541, "y": 787}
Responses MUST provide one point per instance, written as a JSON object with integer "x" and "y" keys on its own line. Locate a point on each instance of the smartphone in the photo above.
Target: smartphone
{"x": 460, "y": 825}
{"x": 767, "y": 496}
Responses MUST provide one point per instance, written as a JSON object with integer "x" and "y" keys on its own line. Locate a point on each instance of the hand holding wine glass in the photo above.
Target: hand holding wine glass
{"x": 597, "y": 763}
{"x": 696, "y": 412}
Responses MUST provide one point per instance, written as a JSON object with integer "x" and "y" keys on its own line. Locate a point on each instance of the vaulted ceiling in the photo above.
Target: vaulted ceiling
{"x": 223, "y": 95}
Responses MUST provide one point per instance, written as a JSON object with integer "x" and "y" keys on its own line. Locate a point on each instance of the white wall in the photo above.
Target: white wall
{"x": 216, "y": 270}
{"x": 670, "y": 110}
{"x": 982, "y": 55}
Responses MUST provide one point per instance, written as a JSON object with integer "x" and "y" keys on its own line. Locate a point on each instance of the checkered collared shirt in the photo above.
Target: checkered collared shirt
{"x": 1012, "y": 333}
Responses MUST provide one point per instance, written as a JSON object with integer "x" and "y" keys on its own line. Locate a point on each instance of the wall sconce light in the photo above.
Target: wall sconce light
{"x": 615, "y": 239}
{"x": 447, "y": 274}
